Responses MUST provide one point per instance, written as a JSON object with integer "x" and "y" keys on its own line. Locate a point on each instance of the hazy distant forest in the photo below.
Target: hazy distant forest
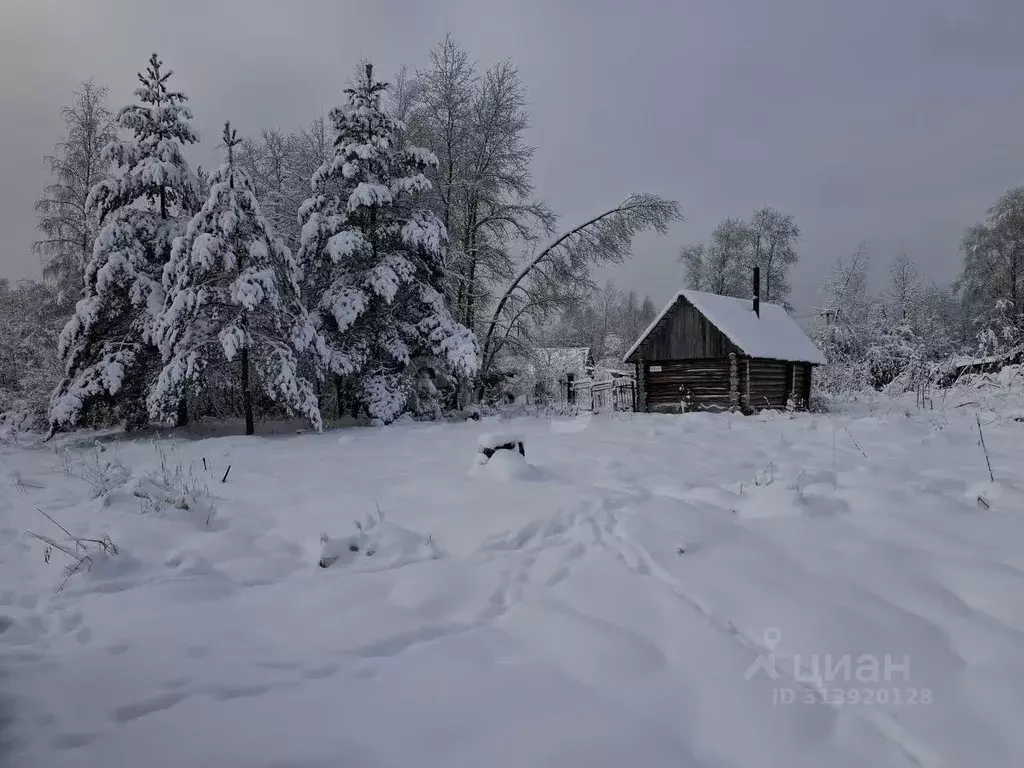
{"x": 334, "y": 268}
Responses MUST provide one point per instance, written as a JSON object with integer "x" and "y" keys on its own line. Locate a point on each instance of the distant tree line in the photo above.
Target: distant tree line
{"x": 901, "y": 336}
{"x": 607, "y": 322}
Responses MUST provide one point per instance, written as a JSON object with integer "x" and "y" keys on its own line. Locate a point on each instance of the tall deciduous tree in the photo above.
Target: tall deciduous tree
{"x": 844, "y": 330}
{"x": 270, "y": 164}
{"x": 66, "y": 226}
{"x": 482, "y": 186}
{"x": 724, "y": 265}
{"x": 232, "y": 303}
{"x": 773, "y": 236}
{"x": 992, "y": 282}
{"x": 373, "y": 259}
{"x": 108, "y": 344}
{"x": 721, "y": 266}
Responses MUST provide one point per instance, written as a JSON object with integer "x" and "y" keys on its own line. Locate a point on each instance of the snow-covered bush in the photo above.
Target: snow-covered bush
{"x": 30, "y": 321}
{"x": 173, "y": 485}
{"x": 431, "y": 388}
{"x": 379, "y": 541}
{"x": 892, "y": 340}
{"x": 102, "y": 469}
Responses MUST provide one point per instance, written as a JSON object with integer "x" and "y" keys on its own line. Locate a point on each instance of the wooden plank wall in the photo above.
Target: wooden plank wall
{"x": 685, "y": 334}
{"x": 705, "y": 381}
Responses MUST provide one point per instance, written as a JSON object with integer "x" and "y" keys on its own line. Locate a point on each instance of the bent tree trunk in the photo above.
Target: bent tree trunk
{"x": 605, "y": 238}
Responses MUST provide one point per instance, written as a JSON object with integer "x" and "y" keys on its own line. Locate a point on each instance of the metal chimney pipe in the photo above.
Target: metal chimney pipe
{"x": 757, "y": 291}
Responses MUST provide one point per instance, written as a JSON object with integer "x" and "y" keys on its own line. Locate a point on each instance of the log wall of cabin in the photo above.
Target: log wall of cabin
{"x": 702, "y": 383}
{"x": 705, "y": 384}
{"x": 801, "y": 381}
{"x": 769, "y": 384}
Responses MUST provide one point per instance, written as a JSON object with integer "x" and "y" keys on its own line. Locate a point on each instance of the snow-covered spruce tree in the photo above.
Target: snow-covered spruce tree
{"x": 373, "y": 259}
{"x": 232, "y": 301}
{"x": 108, "y": 348}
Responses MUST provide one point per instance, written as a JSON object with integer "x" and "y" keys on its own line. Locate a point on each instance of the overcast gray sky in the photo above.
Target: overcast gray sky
{"x": 895, "y": 121}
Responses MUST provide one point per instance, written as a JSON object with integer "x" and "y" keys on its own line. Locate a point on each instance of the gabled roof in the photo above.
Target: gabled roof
{"x": 774, "y": 335}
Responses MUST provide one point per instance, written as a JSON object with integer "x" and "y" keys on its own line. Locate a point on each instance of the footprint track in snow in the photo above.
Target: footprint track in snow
{"x": 395, "y": 644}
{"x": 566, "y": 536}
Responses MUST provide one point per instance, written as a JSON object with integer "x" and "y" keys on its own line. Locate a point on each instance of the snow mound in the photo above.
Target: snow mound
{"x": 1000, "y": 496}
{"x": 504, "y": 465}
{"x": 376, "y": 545}
{"x": 157, "y": 497}
{"x": 498, "y": 439}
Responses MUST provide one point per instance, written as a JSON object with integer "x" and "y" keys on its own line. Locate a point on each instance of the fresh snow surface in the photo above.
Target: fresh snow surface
{"x": 774, "y": 335}
{"x": 654, "y": 590}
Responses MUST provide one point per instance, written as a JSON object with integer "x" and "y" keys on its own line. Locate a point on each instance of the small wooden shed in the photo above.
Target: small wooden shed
{"x": 705, "y": 351}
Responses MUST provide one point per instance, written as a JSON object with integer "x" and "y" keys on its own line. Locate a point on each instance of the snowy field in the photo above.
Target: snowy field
{"x": 647, "y": 590}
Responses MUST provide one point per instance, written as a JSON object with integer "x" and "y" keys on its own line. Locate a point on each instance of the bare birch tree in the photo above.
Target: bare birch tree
{"x": 721, "y": 266}
{"x": 773, "y": 236}
{"x": 67, "y": 228}
{"x": 992, "y": 283}
{"x": 476, "y": 125}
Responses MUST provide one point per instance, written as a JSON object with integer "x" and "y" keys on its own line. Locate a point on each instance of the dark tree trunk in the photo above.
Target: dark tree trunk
{"x": 339, "y": 396}
{"x": 182, "y": 418}
{"x": 453, "y": 403}
{"x": 246, "y": 394}
{"x": 460, "y": 297}
{"x": 470, "y": 298}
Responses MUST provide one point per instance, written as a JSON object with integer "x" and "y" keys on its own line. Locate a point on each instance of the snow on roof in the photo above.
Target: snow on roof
{"x": 562, "y": 359}
{"x": 773, "y": 335}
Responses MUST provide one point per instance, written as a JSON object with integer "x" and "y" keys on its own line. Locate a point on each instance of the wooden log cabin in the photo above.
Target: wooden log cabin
{"x": 711, "y": 352}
